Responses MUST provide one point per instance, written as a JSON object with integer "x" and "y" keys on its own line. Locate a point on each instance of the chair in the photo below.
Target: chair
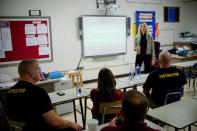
{"x": 192, "y": 75}
{"x": 107, "y": 108}
{"x": 7, "y": 124}
{"x": 168, "y": 100}
{"x": 4, "y": 122}
{"x": 172, "y": 95}
{"x": 16, "y": 125}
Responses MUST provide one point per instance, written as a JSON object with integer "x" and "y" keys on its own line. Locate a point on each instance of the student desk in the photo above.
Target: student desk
{"x": 178, "y": 114}
{"x": 87, "y": 88}
{"x": 185, "y": 64}
{"x": 150, "y": 124}
{"x": 4, "y": 87}
{"x": 140, "y": 80}
{"x": 8, "y": 85}
{"x": 176, "y": 58}
{"x": 70, "y": 96}
{"x": 122, "y": 83}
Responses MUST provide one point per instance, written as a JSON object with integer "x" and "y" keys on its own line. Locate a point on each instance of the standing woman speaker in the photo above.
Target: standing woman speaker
{"x": 144, "y": 45}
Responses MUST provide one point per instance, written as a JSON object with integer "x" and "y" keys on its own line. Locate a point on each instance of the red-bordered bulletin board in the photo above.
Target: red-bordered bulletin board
{"x": 25, "y": 38}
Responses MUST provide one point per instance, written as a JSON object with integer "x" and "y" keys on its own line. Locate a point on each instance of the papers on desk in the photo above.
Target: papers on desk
{"x": 7, "y": 85}
{"x": 65, "y": 78}
{"x": 5, "y": 78}
{"x": 90, "y": 87}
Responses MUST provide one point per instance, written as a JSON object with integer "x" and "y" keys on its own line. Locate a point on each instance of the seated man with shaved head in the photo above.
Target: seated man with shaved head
{"x": 165, "y": 80}
{"x": 132, "y": 114}
{"x": 31, "y": 104}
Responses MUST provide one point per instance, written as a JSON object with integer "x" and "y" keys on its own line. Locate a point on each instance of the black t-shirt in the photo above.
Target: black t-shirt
{"x": 26, "y": 102}
{"x": 143, "y": 44}
{"x": 163, "y": 79}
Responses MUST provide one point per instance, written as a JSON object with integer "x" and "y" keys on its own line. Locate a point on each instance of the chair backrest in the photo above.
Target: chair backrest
{"x": 107, "y": 108}
{"x": 4, "y": 123}
{"x": 195, "y": 66}
{"x": 16, "y": 125}
{"x": 179, "y": 94}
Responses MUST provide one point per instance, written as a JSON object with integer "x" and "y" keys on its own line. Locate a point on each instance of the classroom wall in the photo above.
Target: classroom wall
{"x": 65, "y": 39}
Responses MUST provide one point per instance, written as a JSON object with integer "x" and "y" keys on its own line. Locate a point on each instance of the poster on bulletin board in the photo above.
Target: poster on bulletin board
{"x": 147, "y": 17}
{"x": 25, "y": 38}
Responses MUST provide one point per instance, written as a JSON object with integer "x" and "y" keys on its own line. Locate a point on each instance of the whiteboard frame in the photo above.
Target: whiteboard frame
{"x": 23, "y": 18}
{"x": 82, "y": 41}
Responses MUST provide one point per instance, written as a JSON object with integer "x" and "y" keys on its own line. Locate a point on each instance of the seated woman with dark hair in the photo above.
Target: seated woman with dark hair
{"x": 105, "y": 92}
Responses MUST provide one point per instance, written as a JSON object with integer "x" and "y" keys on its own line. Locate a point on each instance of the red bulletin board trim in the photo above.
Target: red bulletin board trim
{"x": 20, "y": 50}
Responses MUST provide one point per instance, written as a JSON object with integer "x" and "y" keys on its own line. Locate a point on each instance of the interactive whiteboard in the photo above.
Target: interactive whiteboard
{"x": 104, "y": 35}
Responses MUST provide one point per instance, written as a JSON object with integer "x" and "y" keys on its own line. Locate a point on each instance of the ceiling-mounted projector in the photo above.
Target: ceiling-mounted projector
{"x": 105, "y": 2}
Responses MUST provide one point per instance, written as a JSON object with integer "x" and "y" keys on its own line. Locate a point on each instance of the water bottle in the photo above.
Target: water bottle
{"x": 78, "y": 87}
{"x": 138, "y": 71}
{"x": 131, "y": 73}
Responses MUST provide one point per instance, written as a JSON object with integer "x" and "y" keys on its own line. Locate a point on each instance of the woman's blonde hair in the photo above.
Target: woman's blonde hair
{"x": 139, "y": 31}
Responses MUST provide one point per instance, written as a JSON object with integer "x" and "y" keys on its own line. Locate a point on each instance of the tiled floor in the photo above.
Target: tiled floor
{"x": 70, "y": 116}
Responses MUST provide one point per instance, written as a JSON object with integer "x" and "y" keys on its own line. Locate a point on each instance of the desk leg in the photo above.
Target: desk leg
{"x": 135, "y": 87}
{"x": 190, "y": 73}
{"x": 189, "y": 128}
{"x": 85, "y": 110}
{"x": 194, "y": 86}
{"x": 124, "y": 90}
{"x": 82, "y": 115}
{"x": 74, "y": 108}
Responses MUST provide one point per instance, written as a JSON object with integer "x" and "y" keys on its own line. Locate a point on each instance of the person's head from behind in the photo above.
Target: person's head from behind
{"x": 29, "y": 69}
{"x": 142, "y": 29}
{"x": 134, "y": 107}
{"x": 165, "y": 59}
{"x": 106, "y": 83}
